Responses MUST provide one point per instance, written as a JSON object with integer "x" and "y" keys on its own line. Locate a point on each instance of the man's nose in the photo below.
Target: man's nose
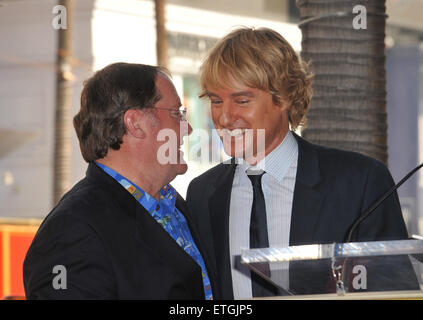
{"x": 227, "y": 115}
{"x": 189, "y": 129}
{"x": 186, "y": 128}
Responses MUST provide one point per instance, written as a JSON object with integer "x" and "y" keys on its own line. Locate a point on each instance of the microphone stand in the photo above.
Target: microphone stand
{"x": 338, "y": 272}
{"x": 348, "y": 236}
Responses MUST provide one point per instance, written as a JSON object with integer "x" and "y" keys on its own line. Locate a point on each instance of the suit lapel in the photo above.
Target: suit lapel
{"x": 219, "y": 204}
{"x": 163, "y": 247}
{"x": 150, "y": 234}
{"x": 183, "y": 208}
{"x": 307, "y": 199}
{"x": 305, "y": 209}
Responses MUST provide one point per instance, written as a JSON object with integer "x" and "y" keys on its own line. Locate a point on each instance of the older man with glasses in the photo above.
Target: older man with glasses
{"x": 123, "y": 232}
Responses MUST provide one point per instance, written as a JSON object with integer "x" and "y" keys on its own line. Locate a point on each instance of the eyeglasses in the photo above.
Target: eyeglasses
{"x": 180, "y": 114}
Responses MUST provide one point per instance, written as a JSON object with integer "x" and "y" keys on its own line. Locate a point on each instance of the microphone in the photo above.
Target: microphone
{"x": 348, "y": 235}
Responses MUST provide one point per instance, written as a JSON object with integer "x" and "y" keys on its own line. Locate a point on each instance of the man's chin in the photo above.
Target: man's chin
{"x": 235, "y": 151}
{"x": 246, "y": 155}
{"x": 181, "y": 168}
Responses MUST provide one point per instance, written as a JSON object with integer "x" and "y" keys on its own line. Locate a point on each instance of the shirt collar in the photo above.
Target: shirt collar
{"x": 277, "y": 162}
{"x": 167, "y": 193}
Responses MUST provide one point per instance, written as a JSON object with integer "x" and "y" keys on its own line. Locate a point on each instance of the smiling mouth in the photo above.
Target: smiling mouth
{"x": 234, "y": 133}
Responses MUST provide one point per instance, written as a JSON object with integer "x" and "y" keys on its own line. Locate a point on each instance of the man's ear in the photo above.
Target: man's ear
{"x": 134, "y": 121}
{"x": 283, "y": 104}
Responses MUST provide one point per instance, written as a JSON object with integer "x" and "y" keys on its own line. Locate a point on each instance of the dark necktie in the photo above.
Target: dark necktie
{"x": 259, "y": 237}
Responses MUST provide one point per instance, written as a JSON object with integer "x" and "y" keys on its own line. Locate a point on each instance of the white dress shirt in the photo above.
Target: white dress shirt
{"x": 278, "y": 184}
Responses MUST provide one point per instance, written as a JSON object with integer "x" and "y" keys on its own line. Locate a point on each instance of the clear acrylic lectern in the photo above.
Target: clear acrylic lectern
{"x": 340, "y": 268}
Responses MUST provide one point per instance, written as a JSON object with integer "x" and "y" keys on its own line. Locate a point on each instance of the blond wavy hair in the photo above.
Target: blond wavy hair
{"x": 263, "y": 59}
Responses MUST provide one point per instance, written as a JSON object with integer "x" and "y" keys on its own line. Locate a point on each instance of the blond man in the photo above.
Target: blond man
{"x": 285, "y": 191}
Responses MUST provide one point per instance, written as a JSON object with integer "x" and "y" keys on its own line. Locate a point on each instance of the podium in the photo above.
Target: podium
{"x": 355, "y": 270}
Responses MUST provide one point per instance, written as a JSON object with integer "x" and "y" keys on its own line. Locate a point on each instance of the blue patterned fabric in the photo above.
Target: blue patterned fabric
{"x": 169, "y": 217}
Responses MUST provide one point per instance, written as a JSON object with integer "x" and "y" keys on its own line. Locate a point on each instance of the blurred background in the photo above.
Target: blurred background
{"x": 42, "y": 69}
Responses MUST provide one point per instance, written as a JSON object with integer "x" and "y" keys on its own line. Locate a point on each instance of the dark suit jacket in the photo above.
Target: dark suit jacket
{"x": 332, "y": 189}
{"x": 111, "y": 247}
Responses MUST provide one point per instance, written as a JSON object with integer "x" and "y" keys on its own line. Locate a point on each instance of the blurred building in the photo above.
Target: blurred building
{"x": 404, "y": 74}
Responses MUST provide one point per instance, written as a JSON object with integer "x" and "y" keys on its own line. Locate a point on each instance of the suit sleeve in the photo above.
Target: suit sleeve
{"x": 386, "y": 222}
{"x": 67, "y": 260}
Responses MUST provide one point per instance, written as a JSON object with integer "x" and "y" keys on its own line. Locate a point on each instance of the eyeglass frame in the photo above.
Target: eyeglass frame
{"x": 182, "y": 111}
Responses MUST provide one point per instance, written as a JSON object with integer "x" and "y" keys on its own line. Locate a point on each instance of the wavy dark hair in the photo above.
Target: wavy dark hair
{"x": 105, "y": 98}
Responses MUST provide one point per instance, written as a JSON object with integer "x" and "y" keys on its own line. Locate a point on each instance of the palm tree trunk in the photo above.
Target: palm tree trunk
{"x": 161, "y": 36}
{"x": 348, "y": 109}
{"x": 63, "y": 123}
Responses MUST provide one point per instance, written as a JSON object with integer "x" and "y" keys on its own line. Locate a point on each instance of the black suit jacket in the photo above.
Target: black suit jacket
{"x": 332, "y": 189}
{"x": 111, "y": 247}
